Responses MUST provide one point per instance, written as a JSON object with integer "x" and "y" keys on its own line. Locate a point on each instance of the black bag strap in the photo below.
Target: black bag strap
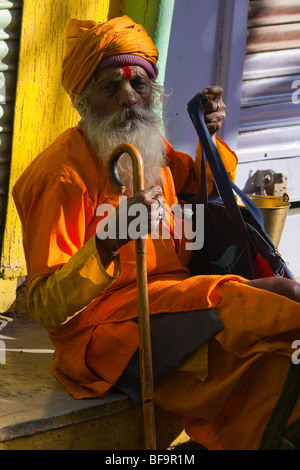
{"x": 224, "y": 185}
{"x": 203, "y": 192}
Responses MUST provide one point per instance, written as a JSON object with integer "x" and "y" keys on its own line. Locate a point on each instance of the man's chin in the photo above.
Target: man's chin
{"x": 129, "y": 125}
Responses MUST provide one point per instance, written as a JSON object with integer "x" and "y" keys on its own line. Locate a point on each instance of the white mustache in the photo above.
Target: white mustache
{"x": 126, "y": 118}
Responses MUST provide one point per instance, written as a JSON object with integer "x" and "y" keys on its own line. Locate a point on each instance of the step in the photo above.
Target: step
{"x": 36, "y": 412}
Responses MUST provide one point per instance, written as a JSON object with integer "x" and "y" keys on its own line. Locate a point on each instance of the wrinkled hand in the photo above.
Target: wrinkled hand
{"x": 143, "y": 207}
{"x": 214, "y": 109}
{"x": 286, "y": 287}
{"x": 152, "y": 199}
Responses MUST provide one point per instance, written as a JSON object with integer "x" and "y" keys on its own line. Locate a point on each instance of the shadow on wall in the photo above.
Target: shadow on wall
{"x": 19, "y": 305}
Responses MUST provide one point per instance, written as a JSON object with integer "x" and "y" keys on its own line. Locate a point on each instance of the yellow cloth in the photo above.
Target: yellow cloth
{"x": 87, "y": 42}
{"x": 71, "y": 287}
{"x": 196, "y": 363}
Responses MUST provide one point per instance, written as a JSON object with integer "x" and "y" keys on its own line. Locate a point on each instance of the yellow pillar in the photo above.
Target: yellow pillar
{"x": 42, "y": 109}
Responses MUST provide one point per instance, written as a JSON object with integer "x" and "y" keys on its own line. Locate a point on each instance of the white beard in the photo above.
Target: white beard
{"x": 136, "y": 126}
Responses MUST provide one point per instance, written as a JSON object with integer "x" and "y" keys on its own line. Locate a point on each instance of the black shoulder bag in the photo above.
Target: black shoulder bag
{"x": 235, "y": 241}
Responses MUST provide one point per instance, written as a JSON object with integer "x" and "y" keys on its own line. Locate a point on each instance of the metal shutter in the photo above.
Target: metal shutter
{"x": 269, "y": 131}
{"x": 10, "y": 26}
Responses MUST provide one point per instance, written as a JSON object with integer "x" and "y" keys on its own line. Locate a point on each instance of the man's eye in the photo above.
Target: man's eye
{"x": 109, "y": 86}
{"x": 138, "y": 84}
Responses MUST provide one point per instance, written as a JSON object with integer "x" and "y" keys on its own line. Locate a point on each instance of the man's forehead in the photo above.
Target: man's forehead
{"x": 118, "y": 73}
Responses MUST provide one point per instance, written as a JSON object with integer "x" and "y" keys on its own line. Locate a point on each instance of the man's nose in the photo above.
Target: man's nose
{"x": 127, "y": 95}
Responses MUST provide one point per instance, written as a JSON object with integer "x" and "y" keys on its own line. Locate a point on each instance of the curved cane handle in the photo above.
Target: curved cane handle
{"x": 137, "y": 163}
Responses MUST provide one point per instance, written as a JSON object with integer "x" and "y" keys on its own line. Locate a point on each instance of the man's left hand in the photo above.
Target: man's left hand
{"x": 214, "y": 109}
{"x": 278, "y": 285}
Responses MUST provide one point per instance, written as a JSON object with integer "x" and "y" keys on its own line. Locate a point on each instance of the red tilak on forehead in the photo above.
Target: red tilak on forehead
{"x": 127, "y": 73}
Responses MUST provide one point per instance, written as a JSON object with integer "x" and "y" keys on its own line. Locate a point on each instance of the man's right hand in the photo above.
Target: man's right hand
{"x": 151, "y": 200}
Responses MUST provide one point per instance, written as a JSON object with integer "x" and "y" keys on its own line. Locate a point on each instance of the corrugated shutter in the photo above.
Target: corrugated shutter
{"x": 10, "y": 26}
{"x": 270, "y": 120}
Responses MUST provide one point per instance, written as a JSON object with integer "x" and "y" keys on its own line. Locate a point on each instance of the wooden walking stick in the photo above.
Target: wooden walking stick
{"x": 142, "y": 289}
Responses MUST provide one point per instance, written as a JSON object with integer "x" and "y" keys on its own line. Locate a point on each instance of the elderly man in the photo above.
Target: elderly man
{"x": 222, "y": 345}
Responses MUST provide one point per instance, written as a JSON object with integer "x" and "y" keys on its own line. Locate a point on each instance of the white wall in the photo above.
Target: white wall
{"x": 207, "y": 47}
{"x": 191, "y": 65}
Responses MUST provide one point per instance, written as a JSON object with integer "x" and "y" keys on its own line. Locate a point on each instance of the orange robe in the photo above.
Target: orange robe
{"x": 86, "y": 307}
{"x": 57, "y": 198}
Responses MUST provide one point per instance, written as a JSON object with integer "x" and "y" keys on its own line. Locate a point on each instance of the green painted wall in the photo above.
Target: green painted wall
{"x": 156, "y": 16}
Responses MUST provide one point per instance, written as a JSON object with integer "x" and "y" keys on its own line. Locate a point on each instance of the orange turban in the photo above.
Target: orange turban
{"x": 88, "y": 42}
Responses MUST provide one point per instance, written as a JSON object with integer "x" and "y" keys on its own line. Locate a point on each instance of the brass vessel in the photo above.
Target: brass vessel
{"x": 274, "y": 210}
